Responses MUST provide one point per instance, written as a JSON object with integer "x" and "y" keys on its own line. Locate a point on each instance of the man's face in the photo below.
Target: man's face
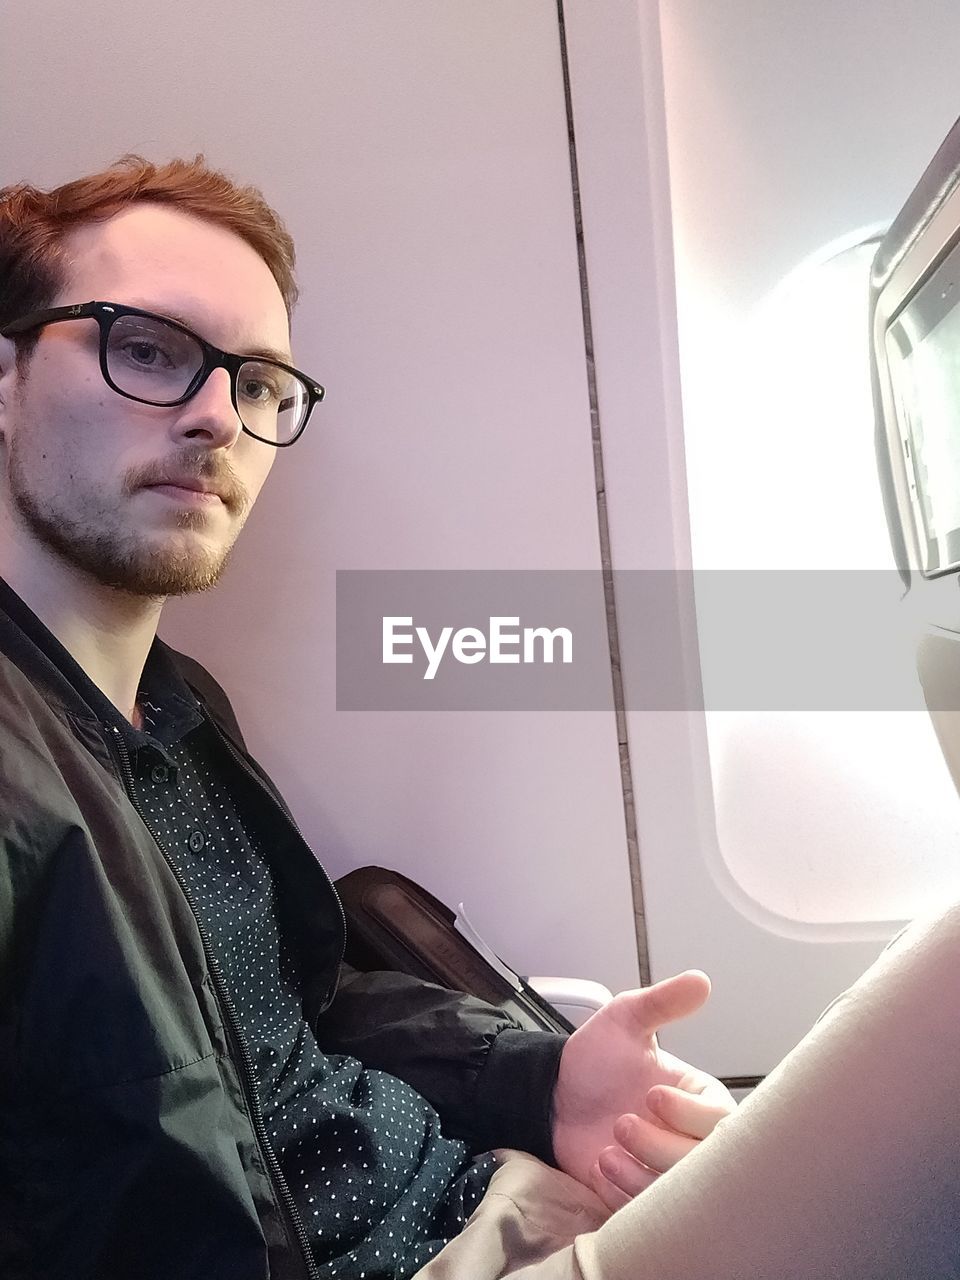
{"x": 81, "y": 464}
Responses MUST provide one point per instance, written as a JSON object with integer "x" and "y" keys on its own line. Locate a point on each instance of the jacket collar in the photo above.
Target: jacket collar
{"x": 31, "y": 645}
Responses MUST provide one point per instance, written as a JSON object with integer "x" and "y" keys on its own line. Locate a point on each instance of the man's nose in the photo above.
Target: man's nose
{"x": 210, "y": 413}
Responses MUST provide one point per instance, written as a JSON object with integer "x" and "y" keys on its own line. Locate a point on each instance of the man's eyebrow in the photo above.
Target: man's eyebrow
{"x": 268, "y": 353}
{"x": 263, "y": 353}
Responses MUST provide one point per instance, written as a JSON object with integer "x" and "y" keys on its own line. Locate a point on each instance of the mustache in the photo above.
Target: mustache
{"x": 215, "y": 474}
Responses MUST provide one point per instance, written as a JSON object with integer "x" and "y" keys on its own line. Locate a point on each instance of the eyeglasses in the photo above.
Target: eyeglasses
{"x": 153, "y": 360}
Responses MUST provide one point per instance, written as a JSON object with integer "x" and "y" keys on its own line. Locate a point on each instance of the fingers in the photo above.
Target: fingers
{"x": 693, "y": 1114}
{"x": 617, "y": 1177}
{"x": 611, "y": 1195}
{"x": 651, "y": 1145}
{"x": 646, "y": 1148}
{"x": 667, "y": 1001}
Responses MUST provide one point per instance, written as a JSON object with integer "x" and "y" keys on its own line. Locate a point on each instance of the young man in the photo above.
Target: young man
{"x": 191, "y": 1083}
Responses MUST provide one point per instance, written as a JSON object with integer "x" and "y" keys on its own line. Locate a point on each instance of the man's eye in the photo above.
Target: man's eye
{"x": 260, "y": 391}
{"x": 146, "y": 355}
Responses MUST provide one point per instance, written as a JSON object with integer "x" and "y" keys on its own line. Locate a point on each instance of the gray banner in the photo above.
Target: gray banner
{"x": 528, "y": 640}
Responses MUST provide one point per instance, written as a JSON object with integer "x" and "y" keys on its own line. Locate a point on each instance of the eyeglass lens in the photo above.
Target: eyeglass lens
{"x": 152, "y": 361}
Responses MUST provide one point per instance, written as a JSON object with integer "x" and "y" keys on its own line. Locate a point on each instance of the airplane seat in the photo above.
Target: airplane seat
{"x": 915, "y": 370}
{"x": 575, "y": 998}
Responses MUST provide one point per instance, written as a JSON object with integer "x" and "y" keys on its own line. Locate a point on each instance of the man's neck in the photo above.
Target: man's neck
{"x": 106, "y": 631}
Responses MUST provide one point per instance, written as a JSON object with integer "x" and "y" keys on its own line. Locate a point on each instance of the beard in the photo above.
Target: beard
{"x": 96, "y": 541}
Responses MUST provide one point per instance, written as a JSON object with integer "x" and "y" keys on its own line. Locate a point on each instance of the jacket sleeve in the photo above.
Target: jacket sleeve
{"x": 490, "y": 1080}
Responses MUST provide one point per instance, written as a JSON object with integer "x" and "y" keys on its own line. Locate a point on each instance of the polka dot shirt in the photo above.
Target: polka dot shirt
{"x": 379, "y": 1188}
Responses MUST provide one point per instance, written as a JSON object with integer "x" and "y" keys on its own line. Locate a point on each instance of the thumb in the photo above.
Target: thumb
{"x": 667, "y": 1001}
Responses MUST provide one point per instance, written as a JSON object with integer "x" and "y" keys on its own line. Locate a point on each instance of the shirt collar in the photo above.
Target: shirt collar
{"x": 170, "y": 710}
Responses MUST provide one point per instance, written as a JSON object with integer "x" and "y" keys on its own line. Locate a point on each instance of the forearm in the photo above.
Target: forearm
{"x": 490, "y": 1081}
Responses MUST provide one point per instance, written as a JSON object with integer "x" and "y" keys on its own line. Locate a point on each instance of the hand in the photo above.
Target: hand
{"x": 607, "y": 1071}
{"x": 646, "y": 1147}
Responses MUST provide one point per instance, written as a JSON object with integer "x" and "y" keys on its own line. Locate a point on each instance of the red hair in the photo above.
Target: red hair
{"x": 34, "y": 225}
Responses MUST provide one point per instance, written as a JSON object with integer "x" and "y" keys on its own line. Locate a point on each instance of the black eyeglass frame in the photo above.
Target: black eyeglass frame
{"x": 105, "y": 313}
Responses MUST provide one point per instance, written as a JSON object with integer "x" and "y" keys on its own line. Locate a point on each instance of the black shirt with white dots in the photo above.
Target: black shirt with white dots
{"x": 379, "y": 1188}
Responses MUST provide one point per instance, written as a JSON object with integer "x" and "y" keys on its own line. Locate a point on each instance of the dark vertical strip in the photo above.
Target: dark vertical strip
{"x": 626, "y": 774}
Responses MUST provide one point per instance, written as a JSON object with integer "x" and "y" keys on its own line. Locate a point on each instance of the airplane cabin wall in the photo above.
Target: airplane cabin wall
{"x": 418, "y": 152}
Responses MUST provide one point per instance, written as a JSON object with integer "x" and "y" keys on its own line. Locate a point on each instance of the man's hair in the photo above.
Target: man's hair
{"x": 34, "y": 225}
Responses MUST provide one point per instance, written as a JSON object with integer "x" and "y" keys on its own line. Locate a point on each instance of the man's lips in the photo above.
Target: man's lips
{"x": 186, "y": 491}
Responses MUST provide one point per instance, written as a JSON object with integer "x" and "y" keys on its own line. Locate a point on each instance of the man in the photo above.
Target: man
{"x": 191, "y": 1083}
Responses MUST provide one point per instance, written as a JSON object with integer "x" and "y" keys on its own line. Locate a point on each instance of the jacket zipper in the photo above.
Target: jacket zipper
{"x": 248, "y": 1077}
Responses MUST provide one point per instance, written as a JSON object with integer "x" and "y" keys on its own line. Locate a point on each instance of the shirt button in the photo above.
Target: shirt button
{"x": 159, "y": 773}
{"x": 197, "y": 841}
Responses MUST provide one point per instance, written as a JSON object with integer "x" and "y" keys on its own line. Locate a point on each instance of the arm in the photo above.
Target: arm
{"x": 564, "y": 1099}
{"x": 490, "y": 1080}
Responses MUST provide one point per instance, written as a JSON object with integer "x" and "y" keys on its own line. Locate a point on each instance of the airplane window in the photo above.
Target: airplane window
{"x": 822, "y": 816}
